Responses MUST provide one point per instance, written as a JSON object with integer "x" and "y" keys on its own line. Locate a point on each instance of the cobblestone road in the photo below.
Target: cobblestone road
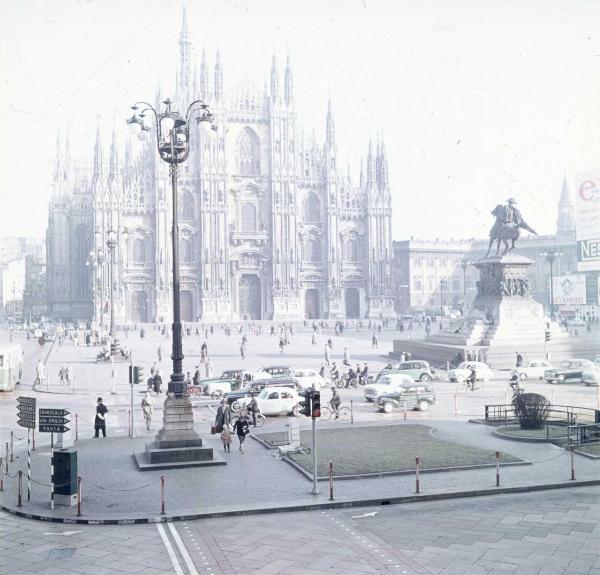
{"x": 545, "y": 533}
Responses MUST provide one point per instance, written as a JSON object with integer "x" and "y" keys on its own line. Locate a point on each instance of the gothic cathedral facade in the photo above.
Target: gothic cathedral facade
{"x": 269, "y": 227}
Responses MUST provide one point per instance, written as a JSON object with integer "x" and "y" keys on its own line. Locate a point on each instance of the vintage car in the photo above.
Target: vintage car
{"x": 385, "y": 384}
{"x": 275, "y": 371}
{"x": 419, "y": 370}
{"x": 306, "y": 378}
{"x": 533, "y": 369}
{"x": 592, "y": 376}
{"x": 275, "y": 400}
{"x": 569, "y": 371}
{"x": 255, "y": 387}
{"x": 415, "y": 396}
{"x": 460, "y": 374}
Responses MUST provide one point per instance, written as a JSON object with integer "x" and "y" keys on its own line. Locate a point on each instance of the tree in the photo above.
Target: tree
{"x": 531, "y": 410}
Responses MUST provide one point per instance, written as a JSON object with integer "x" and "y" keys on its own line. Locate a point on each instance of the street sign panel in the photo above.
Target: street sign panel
{"x": 27, "y": 416}
{"x": 29, "y": 423}
{"x": 26, "y": 408}
{"x": 53, "y": 420}
{"x": 28, "y": 400}
{"x": 58, "y": 412}
{"x": 50, "y": 428}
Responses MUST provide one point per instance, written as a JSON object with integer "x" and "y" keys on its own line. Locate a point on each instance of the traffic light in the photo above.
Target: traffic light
{"x": 305, "y": 408}
{"x": 131, "y": 374}
{"x": 316, "y": 404}
{"x": 548, "y": 335}
{"x": 138, "y": 374}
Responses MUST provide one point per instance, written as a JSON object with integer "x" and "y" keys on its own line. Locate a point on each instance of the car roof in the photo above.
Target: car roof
{"x": 279, "y": 388}
{"x": 275, "y": 367}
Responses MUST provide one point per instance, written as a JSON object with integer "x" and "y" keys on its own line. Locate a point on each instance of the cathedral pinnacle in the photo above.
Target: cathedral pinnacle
{"x": 289, "y": 82}
{"x": 330, "y": 126}
{"x": 204, "y": 77}
{"x": 98, "y": 153}
{"x": 218, "y": 77}
{"x": 274, "y": 80}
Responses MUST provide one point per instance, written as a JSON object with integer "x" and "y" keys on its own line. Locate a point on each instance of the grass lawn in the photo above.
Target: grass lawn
{"x": 592, "y": 449}
{"x": 364, "y": 450}
{"x": 554, "y": 431}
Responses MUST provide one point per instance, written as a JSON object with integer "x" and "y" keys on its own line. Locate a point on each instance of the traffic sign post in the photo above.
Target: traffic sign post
{"x": 26, "y": 418}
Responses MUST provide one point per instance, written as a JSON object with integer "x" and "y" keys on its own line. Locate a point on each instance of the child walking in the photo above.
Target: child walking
{"x": 226, "y": 439}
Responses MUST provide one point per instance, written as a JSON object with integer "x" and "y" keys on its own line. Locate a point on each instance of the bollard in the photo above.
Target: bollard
{"x": 1, "y": 474}
{"x": 497, "y": 468}
{"x": 572, "y": 464}
{"x": 162, "y": 494}
{"x": 331, "y": 481}
{"x": 455, "y": 406}
{"x": 79, "y": 496}
{"x": 418, "y": 461}
{"x": 19, "y": 499}
{"x": 76, "y": 427}
{"x": 12, "y": 441}
{"x": 351, "y": 411}
{"x": 6, "y": 457}
{"x": 405, "y": 410}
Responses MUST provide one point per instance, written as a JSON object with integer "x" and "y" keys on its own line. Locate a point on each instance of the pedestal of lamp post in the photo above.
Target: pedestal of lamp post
{"x": 177, "y": 445}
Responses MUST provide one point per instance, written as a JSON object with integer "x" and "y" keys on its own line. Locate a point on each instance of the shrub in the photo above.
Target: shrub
{"x": 531, "y": 410}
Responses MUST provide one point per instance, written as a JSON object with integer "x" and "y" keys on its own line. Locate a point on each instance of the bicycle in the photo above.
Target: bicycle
{"x": 327, "y": 413}
{"x": 260, "y": 418}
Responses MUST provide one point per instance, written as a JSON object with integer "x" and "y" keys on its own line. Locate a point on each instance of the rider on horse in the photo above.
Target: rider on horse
{"x": 506, "y": 227}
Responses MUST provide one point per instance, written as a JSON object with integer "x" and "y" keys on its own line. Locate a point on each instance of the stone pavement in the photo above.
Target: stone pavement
{"x": 543, "y": 533}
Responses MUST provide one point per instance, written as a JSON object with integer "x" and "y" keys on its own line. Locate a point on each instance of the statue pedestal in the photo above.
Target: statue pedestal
{"x": 177, "y": 445}
{"x": 503, "y": 320}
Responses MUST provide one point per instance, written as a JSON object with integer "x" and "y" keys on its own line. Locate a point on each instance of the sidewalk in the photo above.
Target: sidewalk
{"x": 257, "y": 481}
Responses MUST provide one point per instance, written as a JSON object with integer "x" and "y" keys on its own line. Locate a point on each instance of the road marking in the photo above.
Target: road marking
{"x": 170, "y": 549}
{"x": 65, "y": 533}
{"x": 184, "y": 552}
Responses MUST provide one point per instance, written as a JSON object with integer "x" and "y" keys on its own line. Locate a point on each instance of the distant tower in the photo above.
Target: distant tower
{"x": 566, "y": 211}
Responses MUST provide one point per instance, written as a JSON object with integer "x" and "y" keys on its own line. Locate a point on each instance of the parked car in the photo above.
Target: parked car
{"x": 416, "y": 397}
{"x": 255, "y": 387}
{"x": 275, "y": 371}
{"x": 306, "y": 377}
{"x": 217, "y": 387}
{"x": 569, "y": 371}
{"x": 533, "y": 369}
{"x": 419, "y": 370}
{"x": 460, "y": 373}
{"x": 385, "y": 384}
{"x": 596, "y": 359}
{"x": 591, "y": 377}
{"x": 274, "y": 400}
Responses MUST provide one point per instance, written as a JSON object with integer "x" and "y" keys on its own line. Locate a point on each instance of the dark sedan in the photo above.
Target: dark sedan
{"x": 569, "y": 371}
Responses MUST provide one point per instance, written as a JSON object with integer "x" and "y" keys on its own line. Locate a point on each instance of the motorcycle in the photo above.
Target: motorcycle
{"x": 103, "y": 356}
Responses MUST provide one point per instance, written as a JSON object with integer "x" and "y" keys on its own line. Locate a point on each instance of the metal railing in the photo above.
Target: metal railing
{"x": 582, "y": 434}
{"x": 557, "y": 414}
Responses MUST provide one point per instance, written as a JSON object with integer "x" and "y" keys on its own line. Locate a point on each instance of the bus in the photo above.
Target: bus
{"x": 11, "y": 366}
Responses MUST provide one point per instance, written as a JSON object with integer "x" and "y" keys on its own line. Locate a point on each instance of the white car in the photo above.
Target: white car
{"x": 306, "y": 377}
{"x": 387, "y": 384}
{"x": 533, "y": 369}
{"x": 460, "y": 374}
{"x": 275, "y": 401}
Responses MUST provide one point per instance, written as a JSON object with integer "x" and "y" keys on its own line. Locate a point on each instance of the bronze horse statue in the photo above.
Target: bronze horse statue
{"x": 507, "y": 227}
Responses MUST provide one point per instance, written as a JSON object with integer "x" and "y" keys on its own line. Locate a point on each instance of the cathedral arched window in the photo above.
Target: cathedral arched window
{"x": 312, "y": 209}
{"x": 248, "y": 159}
{"x": 186, "y": 206}
{"x": 186, "y": 249}
{"x": 139, "y": 250}
{"x": 248, "y": 217}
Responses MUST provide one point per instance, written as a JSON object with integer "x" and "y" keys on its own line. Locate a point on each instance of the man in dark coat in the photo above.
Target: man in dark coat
{"x": 100, "y": 421}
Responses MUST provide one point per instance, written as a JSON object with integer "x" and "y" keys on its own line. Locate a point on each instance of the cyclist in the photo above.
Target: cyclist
{"x": 471, "y": 378}
{"x": 252, "y": 408}
{"x": 334, "y": 373}
{"x": 335, "y": 402}
{"x": 514, "y": 382}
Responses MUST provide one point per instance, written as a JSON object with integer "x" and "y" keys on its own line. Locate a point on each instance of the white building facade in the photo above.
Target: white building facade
{"x": 270, "y": 227}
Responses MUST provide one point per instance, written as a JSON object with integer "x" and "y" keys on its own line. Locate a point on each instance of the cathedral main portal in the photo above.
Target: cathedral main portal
{"x": 352, "y": 303}
{"x": 311, "y": 303}
{"x": 249, "y": 297}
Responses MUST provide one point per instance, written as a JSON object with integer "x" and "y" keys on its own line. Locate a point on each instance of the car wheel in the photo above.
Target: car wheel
{"x": 423, "y": 405}
{"x": 369, "y": 399}
{"x": 485, "y": 378}
{"x": 235, "y": 406}
{"x": 459, "y": 379}
{"x": 295, "y": 411}
{"x": 388, "y": 407}
{"x": 425, "y": 378}
{"x": 216, "y": 394}
{"x": 522, "y": 376}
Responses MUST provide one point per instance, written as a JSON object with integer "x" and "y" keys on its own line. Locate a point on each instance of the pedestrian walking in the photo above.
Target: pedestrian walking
{"x": 210, "y": 370}
{"x": 142, "y": 333}
{"x": 327, "y": 354}
{"x": 226, "y": 439}
{"x": 330, "y": 343}
{"x": 243, "y": 350}
{"x": 223, "y": 416}
{"x": 281, "y": 345}
{"x": 157, "y": 381}
{"x": 375, "y": 341}
{"x": 241, "y": 428}
{"x": 346, "y": 357}
{"x": 314, "y": 339}
{"x": 148, "y": 409}
{"x": 69, "y": 375}
{"x": 61, "y": 375}
{"x": 197, "y": 376}
{"x": 40, "y": 372}
{"x": 519, "y": 361}
{"x": 159, "y": 352}
{"x": 100, "y": 419}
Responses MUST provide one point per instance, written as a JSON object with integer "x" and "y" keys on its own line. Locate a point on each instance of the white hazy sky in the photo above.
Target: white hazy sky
{"x": 477, "y": 100}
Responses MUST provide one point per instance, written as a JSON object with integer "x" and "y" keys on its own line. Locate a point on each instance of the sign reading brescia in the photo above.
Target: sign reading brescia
{"x": 569, "y": 290}
{"x": 587, "y": 216}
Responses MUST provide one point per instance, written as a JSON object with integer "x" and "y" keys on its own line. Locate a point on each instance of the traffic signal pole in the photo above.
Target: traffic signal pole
{"x": 315, "y": 489}
{"x": 131, "y": 376}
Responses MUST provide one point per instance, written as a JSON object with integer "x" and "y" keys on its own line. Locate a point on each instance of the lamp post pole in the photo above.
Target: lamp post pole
{"x": 173, "y": 142}
{"x": 442, "y": 298}
{"x": 464, "y": 264}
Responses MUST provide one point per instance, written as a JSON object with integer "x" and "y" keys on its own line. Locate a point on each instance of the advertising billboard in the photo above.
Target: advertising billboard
{"x": 569, "y": 289}
{"x": 587, "y": 221}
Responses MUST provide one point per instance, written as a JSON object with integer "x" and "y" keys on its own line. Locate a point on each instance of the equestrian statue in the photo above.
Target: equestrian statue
{"x": 506, "y": 227}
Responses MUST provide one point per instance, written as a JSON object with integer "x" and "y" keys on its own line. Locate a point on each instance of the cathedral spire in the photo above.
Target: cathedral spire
{"x": 289, "y": 82}
{"x": 203, "y": 77}
{"x": 274, "y": 80}
{"x": 370, "y": 165}
{"x": 114, "y": 155}
{"x": 58, "y": 167}
{"x": 218, "y": 77}
{"x": 185, "y": 55}
{"x": 67, "y": 158}
{"x": 566, "y": 210}
{"x": 98, "y": 153}
{"x": 330, "y": 127}
{"x": 383, "y": 168}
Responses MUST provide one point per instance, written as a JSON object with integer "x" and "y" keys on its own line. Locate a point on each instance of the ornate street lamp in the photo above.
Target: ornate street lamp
{"x": 173, "y": 143}
{"x": 464, "y": 264}
{"x": 550, "y": 258}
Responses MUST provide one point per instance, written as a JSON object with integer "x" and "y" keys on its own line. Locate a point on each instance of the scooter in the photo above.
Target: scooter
{"x": 103, "y": 356}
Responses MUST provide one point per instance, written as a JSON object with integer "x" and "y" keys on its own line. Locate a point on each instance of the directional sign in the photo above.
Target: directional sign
{"x": 28, "y": 400}
{"x": 53, "y": 420}
{"x": 29, "y": 423}
{"x": 26, "y": 408}
{"x": 50, "y": 428}
{"x": 55, "y": 412}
